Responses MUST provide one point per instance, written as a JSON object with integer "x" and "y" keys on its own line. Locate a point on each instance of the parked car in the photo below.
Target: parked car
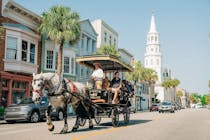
{"x": 208, "y": 106}
{"x": 29, "y": 111}
{"x": 154, "y": 107}
{"x": 166, "y": 106}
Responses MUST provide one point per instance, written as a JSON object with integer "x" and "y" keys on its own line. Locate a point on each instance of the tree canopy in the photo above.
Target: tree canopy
{"x": 61, "y": 25}
{"x": 108, "y": 50}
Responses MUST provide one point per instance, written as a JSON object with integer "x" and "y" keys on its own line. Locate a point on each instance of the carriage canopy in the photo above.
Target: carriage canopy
{"x": 107, "y": 62}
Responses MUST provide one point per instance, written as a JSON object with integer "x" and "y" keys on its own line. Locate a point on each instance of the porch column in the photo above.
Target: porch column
{"x": 28, "y": 89}
{"x": 9, "y": 96}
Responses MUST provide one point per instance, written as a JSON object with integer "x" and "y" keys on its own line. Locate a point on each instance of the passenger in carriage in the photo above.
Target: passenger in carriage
{"x": 97, "y": 76}
{"x": 115, "y": 87}
{"x": 106, "y": 83}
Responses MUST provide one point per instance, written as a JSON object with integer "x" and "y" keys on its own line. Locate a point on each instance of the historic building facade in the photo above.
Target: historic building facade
{"x": 86, "y": 46}
{"x": 20, "y": 49}
{"x": 106, "y": 34}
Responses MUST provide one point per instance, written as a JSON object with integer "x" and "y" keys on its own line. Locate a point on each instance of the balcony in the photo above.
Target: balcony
{"x": 20, "y": 66}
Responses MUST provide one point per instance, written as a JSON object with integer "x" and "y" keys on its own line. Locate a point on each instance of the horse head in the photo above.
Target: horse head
{"x": 38, "y": 85}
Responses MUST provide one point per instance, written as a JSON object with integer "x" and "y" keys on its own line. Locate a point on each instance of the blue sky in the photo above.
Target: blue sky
{"x": 183, "y": 26}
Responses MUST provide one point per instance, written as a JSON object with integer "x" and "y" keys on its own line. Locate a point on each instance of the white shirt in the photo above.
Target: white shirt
{"x": 98, "y": 74}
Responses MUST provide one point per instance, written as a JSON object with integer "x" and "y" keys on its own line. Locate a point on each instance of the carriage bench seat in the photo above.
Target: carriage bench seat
{"x": 98, "y": 101}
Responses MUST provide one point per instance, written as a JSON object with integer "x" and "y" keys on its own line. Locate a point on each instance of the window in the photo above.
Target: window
{"x": 82, "y": 72}
{"x": 157, "y": 61}
{"x": 115, "y": 42}
{"x": 72, "y": 65}
{"x": 87, "y": 72}
{"x": 152, "y": 38}
{"x": 49, "y": 63}
{"x": 93, "y": 46}
{"x": 88, "y": 40}
{"x": 24, "y": 50}
{"x": 66, "y": 64}
{"x": 105, "y": 37}
{"x": 11, "y": 48}
{"x": 110, "y": 40}
{"x": 32, "y": 53}
{"x": 151, "y": 62}
{"x": 82, "y": 42}
{"x": 56, "y": 60}
{"x": 156, "y": 38}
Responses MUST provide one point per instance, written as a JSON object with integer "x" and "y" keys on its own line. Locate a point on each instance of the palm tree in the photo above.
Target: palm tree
{"x": 135, "y": 76}
{"x": 171, "y": 83}
{"x": 149, "y": 76}
{"x": 61, "y": 25}
{"x": 174, "y": 84}
{"x": 108, "y": 50}
{"x": 179, "y": 94}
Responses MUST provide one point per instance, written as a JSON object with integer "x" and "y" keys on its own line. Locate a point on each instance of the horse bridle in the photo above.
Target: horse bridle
{"x": 42, "y": 86}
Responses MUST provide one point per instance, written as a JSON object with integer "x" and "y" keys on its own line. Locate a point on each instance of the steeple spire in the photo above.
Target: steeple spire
{"x": 152, "y": 24}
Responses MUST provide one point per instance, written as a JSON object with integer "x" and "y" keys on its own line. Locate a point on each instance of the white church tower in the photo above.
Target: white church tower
{"x": 153, "y": 56}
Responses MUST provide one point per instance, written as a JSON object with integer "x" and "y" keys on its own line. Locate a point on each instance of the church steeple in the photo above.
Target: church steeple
{"x": 152, "y": 25}
{"x": 153, "y": 56}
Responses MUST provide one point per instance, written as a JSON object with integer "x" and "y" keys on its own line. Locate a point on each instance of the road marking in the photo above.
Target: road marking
{"x": 98, "y": 133}
{"x": 16, "y": 131}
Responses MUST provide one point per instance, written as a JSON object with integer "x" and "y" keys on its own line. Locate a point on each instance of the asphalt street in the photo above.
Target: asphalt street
{"x": 186, "y": 124}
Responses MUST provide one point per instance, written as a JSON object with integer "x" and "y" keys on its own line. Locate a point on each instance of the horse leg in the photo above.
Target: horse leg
{"x": 65, "y": 128}
{"x": 49, "y": 121}
{"x": 90, "y": 118}
{"x": 76, "y": 125}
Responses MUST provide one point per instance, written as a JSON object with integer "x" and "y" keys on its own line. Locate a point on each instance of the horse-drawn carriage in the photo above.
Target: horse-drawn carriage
{"x": 87, "y": 102}
{"x": 102, "y": 99}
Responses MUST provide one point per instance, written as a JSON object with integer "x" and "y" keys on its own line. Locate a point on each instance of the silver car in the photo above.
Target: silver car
{"x": 29, "y": 111}
{"x": 166, "y": 107}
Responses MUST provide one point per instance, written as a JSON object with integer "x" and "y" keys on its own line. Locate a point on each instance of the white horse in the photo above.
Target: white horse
{"x": 61, "y": 92}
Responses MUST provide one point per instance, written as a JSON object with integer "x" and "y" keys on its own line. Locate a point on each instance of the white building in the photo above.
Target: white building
{"x": 106, "y": 34}
{"x": 153, "y": 57}
{"x": 86, "y": 46}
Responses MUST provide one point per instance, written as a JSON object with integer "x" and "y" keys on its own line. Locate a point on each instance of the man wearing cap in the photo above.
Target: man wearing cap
{"x": 97, "y": 76}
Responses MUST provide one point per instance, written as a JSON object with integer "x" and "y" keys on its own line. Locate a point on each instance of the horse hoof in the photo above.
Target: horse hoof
{"x": 51, "y": 127}
{"x": 91, "y": 127}
{"x": 63, "y": 132}
{"x": 74, "y": 129}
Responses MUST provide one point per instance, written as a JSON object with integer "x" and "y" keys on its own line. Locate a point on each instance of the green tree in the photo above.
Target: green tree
{"x": 208, "y": 99}
{"x": 194, "y": 98}
{"x": 149, "y": 76}
{"x": 61, "y": 25}
{"x": 108, "y": 50}
{"x": 135, "y": 75}
{"x": 171, "y": 84}
{"x": 174, "y": 84}
{"x": 203, "y": 100}
{"x": 179, "y": 95}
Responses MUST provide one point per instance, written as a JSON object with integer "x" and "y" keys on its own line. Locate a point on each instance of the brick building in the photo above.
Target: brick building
{"x": 20, "y": 51}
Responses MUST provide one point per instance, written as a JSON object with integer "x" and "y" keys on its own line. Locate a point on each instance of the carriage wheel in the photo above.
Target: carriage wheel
{"x": 82, "y": 121}
{"x": 97, "y": 119}
{"x": 126, "y": 115}
{"x": 115, "y": 117}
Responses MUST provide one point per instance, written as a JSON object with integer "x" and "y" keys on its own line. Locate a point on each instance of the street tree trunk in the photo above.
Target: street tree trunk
{"x": 150, "y": 95}
{"x": 60, "y": 58}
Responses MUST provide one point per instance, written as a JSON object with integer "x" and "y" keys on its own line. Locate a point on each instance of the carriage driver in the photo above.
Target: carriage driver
{"x": 97, "y": 76}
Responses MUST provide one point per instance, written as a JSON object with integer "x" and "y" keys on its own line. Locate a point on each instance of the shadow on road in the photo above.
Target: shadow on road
{"x": 108, "y": 125}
